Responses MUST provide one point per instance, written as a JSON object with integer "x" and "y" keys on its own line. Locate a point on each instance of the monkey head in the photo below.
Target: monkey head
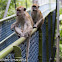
{"x": 35, "y": 7}
{"x": 20, "y": 10}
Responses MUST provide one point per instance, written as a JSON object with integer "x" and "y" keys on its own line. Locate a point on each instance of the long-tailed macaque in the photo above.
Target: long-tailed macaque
{"x": 24, "y": 20}
{"x": 36, "y": 14}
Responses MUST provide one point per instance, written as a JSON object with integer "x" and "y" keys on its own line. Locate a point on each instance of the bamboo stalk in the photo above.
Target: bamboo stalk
{"x": 57, "y": 36}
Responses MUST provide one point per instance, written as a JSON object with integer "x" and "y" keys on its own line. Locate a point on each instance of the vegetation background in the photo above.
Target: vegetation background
{"x": 60, "y": 30}
{"x": 11, "y": 10}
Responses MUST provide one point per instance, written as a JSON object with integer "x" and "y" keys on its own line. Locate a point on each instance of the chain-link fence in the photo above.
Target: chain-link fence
{"x": 33, "y": 49}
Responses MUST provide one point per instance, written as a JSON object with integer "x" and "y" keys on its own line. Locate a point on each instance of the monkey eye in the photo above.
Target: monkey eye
{"x": 24, "y": 9}
{"x": 33, "y": 6}
{"x": 18, "y": 10}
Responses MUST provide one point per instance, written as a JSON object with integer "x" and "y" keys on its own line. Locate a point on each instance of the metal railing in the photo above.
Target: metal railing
{"x": 21, "y": 40}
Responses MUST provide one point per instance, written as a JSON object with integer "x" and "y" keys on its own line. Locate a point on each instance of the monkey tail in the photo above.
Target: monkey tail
{"x": 27, "y": 50}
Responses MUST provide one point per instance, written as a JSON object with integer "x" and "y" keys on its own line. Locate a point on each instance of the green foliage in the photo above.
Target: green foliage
{"x": 60, "y": 27}
{"x": 60, "y": 30}
{"x": 60, "y": 46}
{"x": 11, "y": 10}
{"x": 60, "y": 11}
{"x": 3, "y": 4}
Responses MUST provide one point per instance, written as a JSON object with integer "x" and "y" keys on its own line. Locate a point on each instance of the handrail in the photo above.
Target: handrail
{"x": 14, "y": 15}
{"x": 7, "y": 18}
{"x": 7, "y": 38}
{"x": 9, "y": 49}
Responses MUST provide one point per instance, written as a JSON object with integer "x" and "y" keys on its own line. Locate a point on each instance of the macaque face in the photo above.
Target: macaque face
{"x": 35, "y": 7}
{"x": 20, "y": 10}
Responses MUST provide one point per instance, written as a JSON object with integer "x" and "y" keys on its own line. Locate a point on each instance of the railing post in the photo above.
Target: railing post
{"x": 44, "y": 57}
{"x": 49, "y": 34}
{"x": 51, "y": 40}
{"x": 40, "y": 45}
{"x": 17, "y": 52}
{"x": 47, "y": 45}
{"x": 53, "y": 33}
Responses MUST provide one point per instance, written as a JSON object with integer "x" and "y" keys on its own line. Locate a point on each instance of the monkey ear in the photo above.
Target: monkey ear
{"x": 24, "y": 9}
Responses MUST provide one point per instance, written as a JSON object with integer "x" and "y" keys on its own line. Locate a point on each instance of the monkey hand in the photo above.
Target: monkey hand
{"x": 12, "y": 27}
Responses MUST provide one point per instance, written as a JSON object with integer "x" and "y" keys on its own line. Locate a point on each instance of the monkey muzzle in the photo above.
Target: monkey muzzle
{"x": 17, "y": 13}
{"x": 34, "y": 10}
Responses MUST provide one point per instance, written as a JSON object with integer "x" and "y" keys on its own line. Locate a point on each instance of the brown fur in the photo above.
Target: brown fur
{"x": 36, "y": 14}
{"x": 26, "y": 22}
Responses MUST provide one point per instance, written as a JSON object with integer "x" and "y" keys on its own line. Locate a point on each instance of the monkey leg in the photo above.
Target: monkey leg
{"x": 19, "y": 31}
{"x": 27, "y": 32}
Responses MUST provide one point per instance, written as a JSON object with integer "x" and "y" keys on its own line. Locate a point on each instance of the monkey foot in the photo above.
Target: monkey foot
{"x": 18, "y": 36}
{"x": 34, "y": 26}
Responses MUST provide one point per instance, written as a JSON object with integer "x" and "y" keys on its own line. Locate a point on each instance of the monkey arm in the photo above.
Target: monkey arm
{"x": 15, "y": 24}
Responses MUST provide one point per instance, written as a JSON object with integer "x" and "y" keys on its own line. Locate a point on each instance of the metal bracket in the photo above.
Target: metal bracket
{"x": 17, "y": 52}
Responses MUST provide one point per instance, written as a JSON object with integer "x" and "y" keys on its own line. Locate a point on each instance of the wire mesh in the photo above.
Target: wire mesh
{"x": 33, "y": 50}
{"x": 5, "y": 29}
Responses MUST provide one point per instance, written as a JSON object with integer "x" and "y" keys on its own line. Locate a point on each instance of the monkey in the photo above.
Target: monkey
{"x": 36, "y": 14}
{"x": 24, "y": 20}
